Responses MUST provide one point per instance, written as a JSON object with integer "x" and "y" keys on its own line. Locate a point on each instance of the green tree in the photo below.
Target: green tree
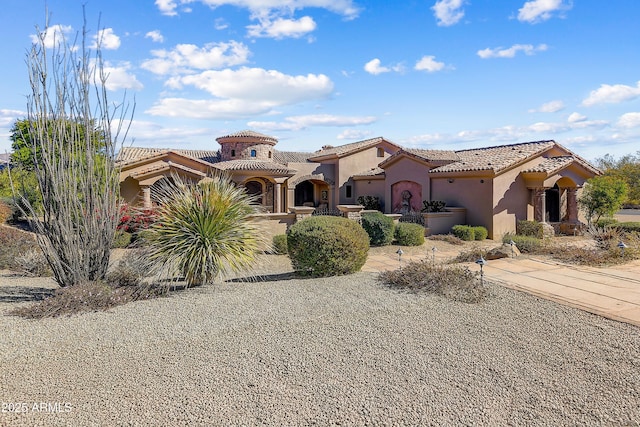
{"x": 603, "y": 195}
{"x": 27, "y": 150}
{"x": 626, "y": 168}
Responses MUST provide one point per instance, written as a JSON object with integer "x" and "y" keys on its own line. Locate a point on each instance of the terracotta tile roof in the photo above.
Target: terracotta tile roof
{"x": 165, "y": 166}
{"x": 349, "y": 148}
{"x": 371, "y": 172}
{"x": 433, "y": 155}
{"x": 285, "y": 157}
{"x": 250, "y": 135}
{"x": 254, "y": 165}
{"x": 133, "y": 154}
{"x": 552, "y": 164}
{"x": 494, "y": 159}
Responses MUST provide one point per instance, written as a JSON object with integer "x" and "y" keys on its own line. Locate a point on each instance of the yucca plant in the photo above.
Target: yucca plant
{"x": 205, "y": 229}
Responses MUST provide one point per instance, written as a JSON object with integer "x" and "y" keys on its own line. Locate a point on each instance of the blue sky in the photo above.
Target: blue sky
{"x": 448, "y": 74}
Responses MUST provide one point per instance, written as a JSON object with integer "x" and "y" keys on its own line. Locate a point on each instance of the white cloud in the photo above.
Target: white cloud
{"x": 53, "y": 35}
{"x": 511, "y": 52}
{"x": 119, "y": 77}
{"x": 167, "y": 7}
{"x": 185, "y": 57}
{"x": 549, "y": 107}
{"x": 303, "y": 122}
{"x": 244, "y": 92}
{"x": 448, "y": 12}
{"x": 540, "y": 10}
{"x": 629, "y": 120}
{"x": 281, "y": 28}
{"x": 429, "y": 64}
{"x": 155, "y": 35}
{"x": 612, "y": 94}
{"x": 576, "y": 117}
{"x": 107, "y": 39}
{"x": 354, "y": 134}
{"x": 374, "y": 67}
{"x": 220, "y": 24}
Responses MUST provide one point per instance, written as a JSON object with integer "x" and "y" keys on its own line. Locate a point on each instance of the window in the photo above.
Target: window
{"x": 348, "y": 191}
{"x": 380, "y": 152}
{"x": 233, "y": 153}
{"x": 269, "y": 154}
{"x": 253, "y": 153}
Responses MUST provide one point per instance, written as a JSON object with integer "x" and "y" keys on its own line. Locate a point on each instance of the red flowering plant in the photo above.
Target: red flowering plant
{"x": 133, "y": 219}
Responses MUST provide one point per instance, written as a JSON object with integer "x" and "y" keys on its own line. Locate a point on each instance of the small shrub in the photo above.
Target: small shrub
{"x": 629, "y": 227}
{"x": 280, "y": 244}
{"x": 6, "y": 211}
{"x": 480, "y": 233}
{"x": 135, "y": 219}
{"x": 369, "y": 202}
{"x": 526, "y": 244}
{"x": 33, "y": 263}
{"x": 463, "y": 232}
{"x": 470, "y": 255}
{"x": 605, "y": 222}
{"x": 408, "y": 234}
{"x": 454, "y": 282}
{"x": 121, "y": 239}
{"x": 13, "y": 243}
{"x": 322, "y": 246}
{"x": 379, "y": 227}
{"x": 433, "y": 206}
{"x": 530, "y": 228}
{"x": 449, "y": 238}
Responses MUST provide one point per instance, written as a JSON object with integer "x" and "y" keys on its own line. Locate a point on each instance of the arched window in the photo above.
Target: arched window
{"x": 233, "y": 153}
{"x": 253, "y": 153}
{"x": 269, "y": 154}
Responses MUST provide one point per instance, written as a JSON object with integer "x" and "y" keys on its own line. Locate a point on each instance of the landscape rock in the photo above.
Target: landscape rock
{"x": 504, "y": 251}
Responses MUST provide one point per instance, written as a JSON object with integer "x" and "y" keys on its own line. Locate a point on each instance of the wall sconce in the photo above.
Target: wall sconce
{"x": 450, "y": 180}
{"x": 482, "y": 181}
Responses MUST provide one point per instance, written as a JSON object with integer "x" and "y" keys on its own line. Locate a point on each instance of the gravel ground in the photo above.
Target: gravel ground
{"x": 336, "y": 351}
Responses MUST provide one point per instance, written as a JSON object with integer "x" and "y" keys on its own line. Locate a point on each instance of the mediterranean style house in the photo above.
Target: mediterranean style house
{"x": 493, "y": 187}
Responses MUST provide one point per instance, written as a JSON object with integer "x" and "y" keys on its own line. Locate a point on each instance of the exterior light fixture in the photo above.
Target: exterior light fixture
{"x": 622, "y": 247}
{"x": 433, "y": 251}
{"x": 512, "y": 244}
{"x": 481, "y": 262}
{"x": 400, "y": 252}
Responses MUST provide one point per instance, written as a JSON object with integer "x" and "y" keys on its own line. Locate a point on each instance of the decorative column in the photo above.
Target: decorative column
{"x": 278, "y": 198}
{"x": 540, "y": 204}
{"x": 572, "y": 205}
{"x": 146, "y": 197}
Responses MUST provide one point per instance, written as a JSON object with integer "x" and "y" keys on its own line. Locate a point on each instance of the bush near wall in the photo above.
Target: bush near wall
{"x": 409, "y": 234}
{"x": 322, "y": 246}
{"x": 526, "y": 244}
{"x": 530, "y": 228}
{"x": 480, "y": 232}
{"x": 379, "y": 227}
{"x": 371, "y": 203}
{"x": 464, "y": 232}
{"x": 280, "y": 244}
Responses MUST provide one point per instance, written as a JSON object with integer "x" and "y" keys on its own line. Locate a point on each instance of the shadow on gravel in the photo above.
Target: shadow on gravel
{"x": 265, "y": 278}
{"x": 24, "y": 293}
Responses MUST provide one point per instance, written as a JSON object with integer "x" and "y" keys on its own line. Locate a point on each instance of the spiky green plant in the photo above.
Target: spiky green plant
{"x": 205, "y": 229}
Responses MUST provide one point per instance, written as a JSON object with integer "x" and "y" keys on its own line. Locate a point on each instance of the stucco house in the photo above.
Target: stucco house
{"x": 494, "y": 186}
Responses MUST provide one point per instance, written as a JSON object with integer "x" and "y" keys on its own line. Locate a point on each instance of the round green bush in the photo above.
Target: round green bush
{"x": 379, "y": 227}
{"x": 409, "y": 234}
{"x": 280, "y": 244}
{"x": 479, "y": 232}
{"x": 323, "y": 246}
{"x": 463, "y": 232}
{"x": 526, "y": 244}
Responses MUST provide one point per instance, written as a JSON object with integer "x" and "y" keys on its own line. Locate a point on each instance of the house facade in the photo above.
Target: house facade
{"x": 497, "y": 186}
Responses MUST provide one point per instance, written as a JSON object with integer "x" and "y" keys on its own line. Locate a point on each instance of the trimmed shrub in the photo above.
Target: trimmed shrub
{"x": 454, "y": 282}
{"x": 408, "y": 234}
{"x": 530, "y": 228}
{"x": 322, "y": 246}
{"x": 121, "y": 239}
{"x": 13, "y": 243}
{"x": 526, "y": 244}
{"x": 280, "y": 244}
{"x": 463, "y": 232}
{"x": 370, "y": 203}
{"x": 480, "y": 232}
{"x": 605, "y": 222}
{"x": 379, "y": 227}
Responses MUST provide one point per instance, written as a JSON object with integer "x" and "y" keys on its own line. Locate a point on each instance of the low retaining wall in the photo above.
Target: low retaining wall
{"x": 442, "y": 222}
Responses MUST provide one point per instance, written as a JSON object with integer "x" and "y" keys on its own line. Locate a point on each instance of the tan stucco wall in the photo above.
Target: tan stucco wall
{"x": 512, "y": 201}
{"x": 370, "y": 187}
{"x": 470, "y": 193}
{"x": 406, "y": 169}
{"x": 358, "y": 162}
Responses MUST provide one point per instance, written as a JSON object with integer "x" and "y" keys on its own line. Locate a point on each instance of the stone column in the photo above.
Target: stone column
{"x": 146, "y": 197}
{"x": 540, "y": 204}
{"x": 278, "y": 198}
{"x": 572, "y": 205}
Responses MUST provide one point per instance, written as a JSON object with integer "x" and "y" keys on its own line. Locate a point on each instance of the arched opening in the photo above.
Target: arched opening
{"x": 406, "y": 197}
{"x": 305, "y": 193}
{"x": 552, "y": 196}
{"x": 254, "y": 188}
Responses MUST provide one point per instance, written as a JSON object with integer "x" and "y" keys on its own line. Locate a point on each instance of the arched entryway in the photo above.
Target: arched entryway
{"x": 305, "y": 194}
{"x": 313, "y": 193}
{"x": 255, "y": 188}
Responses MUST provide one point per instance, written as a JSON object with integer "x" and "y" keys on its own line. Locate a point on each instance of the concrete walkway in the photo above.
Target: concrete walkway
{"x": 609, "y": 292}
